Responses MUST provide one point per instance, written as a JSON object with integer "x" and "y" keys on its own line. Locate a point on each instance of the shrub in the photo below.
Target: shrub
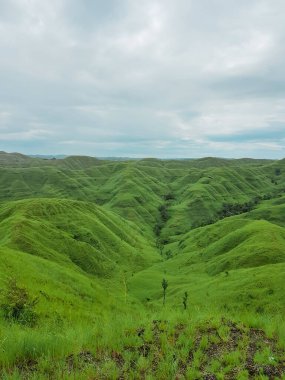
{"x": 169, "y": 197}
{"x": 157, "y": 229}
{"x": 163, "y": 213}
{"x": 277, "y": 171}
{"x": 17, "y": 305}
{"x": 169, "y": 254}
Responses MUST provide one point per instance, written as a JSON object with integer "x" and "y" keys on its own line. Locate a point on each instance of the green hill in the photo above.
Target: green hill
{"x": 74, "y": 233}
{"x": 85, "y": 244}
{"x": 221, "y": 265}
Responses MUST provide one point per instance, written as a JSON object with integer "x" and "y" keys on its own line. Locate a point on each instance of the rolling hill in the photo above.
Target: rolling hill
{"x": 90, "y": 241}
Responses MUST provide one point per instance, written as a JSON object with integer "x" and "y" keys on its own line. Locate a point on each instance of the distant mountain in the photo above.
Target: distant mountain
{"x": 48, "y": 156}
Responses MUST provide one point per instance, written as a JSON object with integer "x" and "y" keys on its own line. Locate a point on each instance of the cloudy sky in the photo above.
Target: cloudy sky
{"x": 161, "y": 78}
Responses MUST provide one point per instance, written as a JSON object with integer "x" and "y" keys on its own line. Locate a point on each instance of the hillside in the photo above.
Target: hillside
{"x": 136, "y": 189}
{"x": 84, "y": 235}
{"x": 92, "y": 240}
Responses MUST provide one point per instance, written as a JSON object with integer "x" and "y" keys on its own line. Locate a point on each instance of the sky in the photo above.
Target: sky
{"x": 152, "y": 78}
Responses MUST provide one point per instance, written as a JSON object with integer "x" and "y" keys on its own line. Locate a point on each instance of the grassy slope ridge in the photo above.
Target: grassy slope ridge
{"x": 136, "y": 189}
{"x": 80, "y": 231}
{"x": 74, "y": 233}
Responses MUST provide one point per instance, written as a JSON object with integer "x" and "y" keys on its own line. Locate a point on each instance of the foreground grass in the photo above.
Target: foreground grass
{"x": 147, "y": 345}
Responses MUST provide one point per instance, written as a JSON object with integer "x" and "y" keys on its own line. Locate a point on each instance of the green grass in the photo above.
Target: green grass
{"x": 78, "y": 234}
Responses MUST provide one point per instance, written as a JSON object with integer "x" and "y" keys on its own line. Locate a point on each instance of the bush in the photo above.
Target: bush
{"x": 237, "y": 208}
{"x": 17, "y": 305}
{"x": 277, "y": 171}
{"x": 169, "y": 254}
{"x": 169, "y": 197}
{"x": 157, "y": 229}
{"x": 163, "y": 213}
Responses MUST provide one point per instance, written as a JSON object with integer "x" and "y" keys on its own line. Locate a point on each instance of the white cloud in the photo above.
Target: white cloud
{"x": 142, "y": 77}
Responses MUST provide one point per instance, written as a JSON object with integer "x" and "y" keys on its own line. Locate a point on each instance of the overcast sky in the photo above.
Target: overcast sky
{"x": 161, "y": 78}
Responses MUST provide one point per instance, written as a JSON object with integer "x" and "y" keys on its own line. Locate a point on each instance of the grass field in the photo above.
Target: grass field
{"x": 86, "y": 243}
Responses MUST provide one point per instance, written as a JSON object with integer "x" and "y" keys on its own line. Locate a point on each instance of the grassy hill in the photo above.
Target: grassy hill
{"x": 85, "y": 244}
{"x": 74, "y": 233}
{"x": 233, "y": 264}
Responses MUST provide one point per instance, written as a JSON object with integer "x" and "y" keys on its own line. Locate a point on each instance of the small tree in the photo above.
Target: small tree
{"x": 185, "y": 299}
{"x": 164, "y": 287}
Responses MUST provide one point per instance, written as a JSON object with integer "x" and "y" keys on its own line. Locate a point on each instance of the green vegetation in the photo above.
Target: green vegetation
{"x": 142, "y": 269}
{"x": 17, "y": 305}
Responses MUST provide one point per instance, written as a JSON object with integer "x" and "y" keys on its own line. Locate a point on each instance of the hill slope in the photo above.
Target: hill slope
{"x": 92, "y": 241}
{"x": 74, "y": 233}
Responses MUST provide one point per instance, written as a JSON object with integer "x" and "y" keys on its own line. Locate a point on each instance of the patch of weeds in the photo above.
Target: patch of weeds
{"x": 17, "y": 305}
{"x": 265, "y": 357}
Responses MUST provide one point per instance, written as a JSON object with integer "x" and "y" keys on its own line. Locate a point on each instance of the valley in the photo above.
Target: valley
{"x": 90, "y": 242}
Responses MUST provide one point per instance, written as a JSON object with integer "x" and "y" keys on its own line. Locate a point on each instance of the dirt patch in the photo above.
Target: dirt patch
{"x": 257, "y": 340}
{"x": 27, "y": 366}
{"x": 80, "y": 360}
{"x": 145, "y": 349}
